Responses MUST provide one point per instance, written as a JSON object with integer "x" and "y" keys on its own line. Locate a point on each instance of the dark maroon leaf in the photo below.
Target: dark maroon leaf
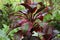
{"x": 47, "y": 36}
{"x": 36, "y": 28}
{"x": 40, "y": 17}
{"x": 37, "y": 16}
{"x": 24, "y": 13}
{"x": 26, "y": 6}
{"x": 40, "y": 13}
{"x": 41, "y": 8}
{"x": 29, "y": 24}
{"x": 32, "y": 10}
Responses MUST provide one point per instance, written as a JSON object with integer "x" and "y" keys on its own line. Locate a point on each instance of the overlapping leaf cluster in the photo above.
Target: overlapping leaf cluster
{"x": 27, "y": 19}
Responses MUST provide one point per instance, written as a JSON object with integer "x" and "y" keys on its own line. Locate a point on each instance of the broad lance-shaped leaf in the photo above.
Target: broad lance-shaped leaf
{"x": 42, "y": 14}
{"x": 26, "y": 6}
{"x": 41, "y": 8}
{"x": 45, "y": 11}
{"x": 3, "y": 35}
{"x": 40, "y": 17}
{"x": 24, "y": 11}
{"x": 31, "y": 9}
{"x": 36, "y": 28}
{"x": 6, "y": 28}
{"x": 26, "y": 27}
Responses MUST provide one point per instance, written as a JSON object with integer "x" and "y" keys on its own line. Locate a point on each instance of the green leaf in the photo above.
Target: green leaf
{"x": 11, "y": 33}
{"x": 6, "y": 28}
{"x": 3, "y": 35}
{"x": 47, "y": 17}
{"x": 58, "y": 35}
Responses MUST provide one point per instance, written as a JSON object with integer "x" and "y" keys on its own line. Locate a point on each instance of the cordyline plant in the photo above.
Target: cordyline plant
{"x": 28, "y": 21}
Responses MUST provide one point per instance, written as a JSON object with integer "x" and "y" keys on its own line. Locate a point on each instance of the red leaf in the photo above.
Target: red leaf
{"x": 40, "y": 17}
{"x": 37, "y": 16}
{"x": 40, "y": 13}
{"x": 33, "y": 10}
